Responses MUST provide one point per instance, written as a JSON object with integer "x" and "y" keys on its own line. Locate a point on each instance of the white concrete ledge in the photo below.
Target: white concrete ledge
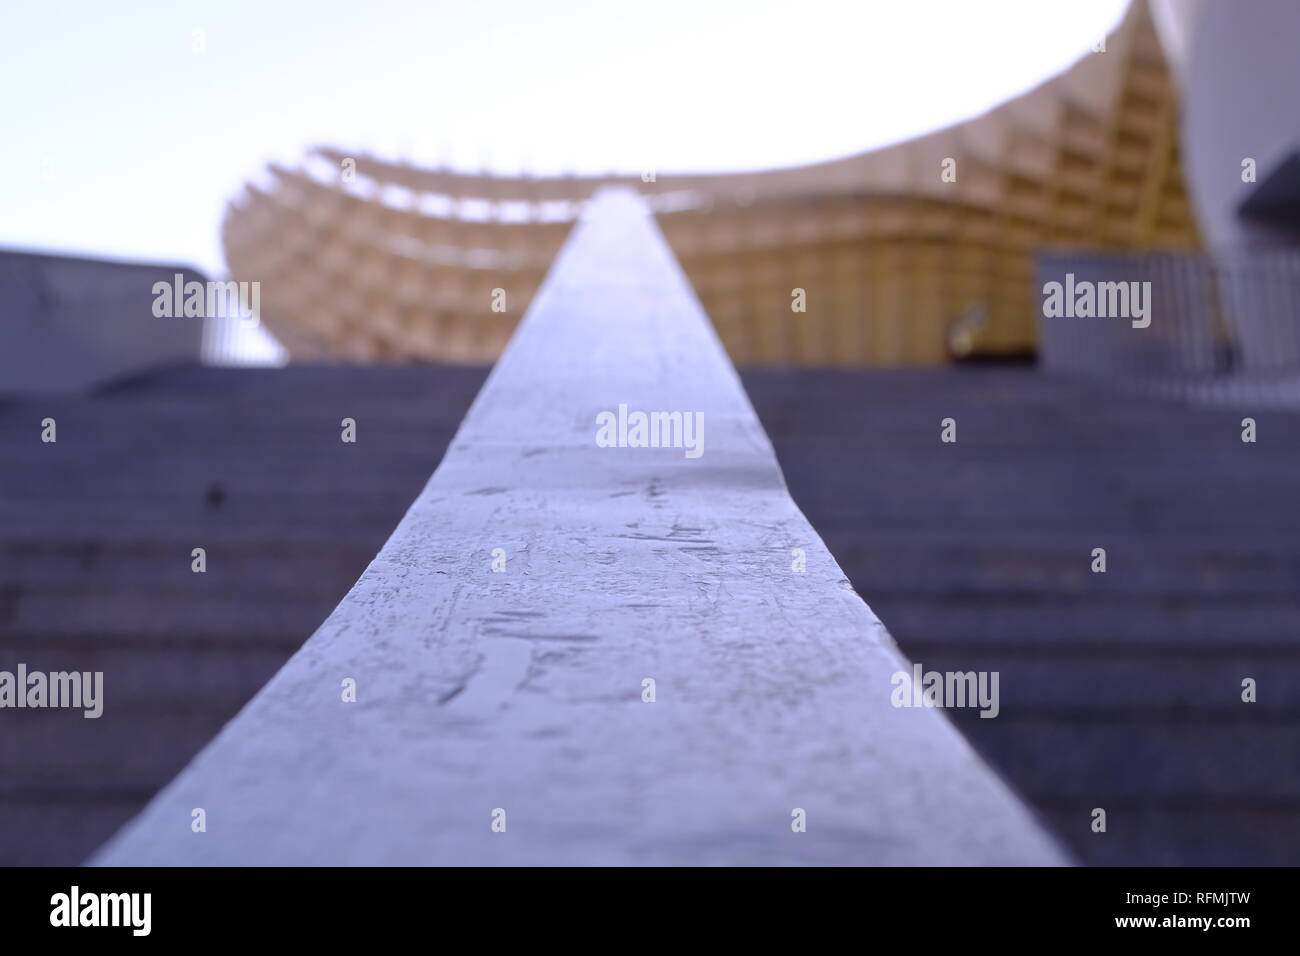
{"x": 522, "y": 690}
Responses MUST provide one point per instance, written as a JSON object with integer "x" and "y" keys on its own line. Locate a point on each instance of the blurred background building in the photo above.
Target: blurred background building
{"x": 909, "y": 255}
{"x": 1147, "y": 159}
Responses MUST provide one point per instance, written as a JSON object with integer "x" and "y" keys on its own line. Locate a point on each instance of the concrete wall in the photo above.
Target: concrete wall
{"x": 1240, "y": 84}
{"x": 1175, "y": 22}
{"x": 1239, "y": 76}
{"x": 1182, "y": 337}
{"x": 68, "y": 324}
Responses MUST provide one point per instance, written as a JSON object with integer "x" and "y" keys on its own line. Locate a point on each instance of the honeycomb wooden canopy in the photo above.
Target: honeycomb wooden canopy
{"x": 904, "y": 255}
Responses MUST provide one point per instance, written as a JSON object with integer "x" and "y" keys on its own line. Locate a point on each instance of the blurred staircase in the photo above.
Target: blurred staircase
{"x": 96, "y": 533}
{"x": 1118, "y": 690}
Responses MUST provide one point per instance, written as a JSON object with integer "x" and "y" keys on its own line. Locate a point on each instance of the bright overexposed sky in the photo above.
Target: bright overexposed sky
{"x": 119, "y": 138}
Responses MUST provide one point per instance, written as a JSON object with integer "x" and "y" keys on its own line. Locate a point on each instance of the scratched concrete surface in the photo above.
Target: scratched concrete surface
{"x": 522, "y": 690}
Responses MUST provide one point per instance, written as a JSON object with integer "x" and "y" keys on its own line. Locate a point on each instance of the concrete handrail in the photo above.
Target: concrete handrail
{"x": 504, "y": 717}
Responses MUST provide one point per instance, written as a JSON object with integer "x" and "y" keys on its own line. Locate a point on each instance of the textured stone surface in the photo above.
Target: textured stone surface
{"x": 522, "y": 690}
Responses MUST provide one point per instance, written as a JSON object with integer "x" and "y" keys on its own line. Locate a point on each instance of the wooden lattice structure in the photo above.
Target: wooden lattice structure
{"x": 899, "y": 263}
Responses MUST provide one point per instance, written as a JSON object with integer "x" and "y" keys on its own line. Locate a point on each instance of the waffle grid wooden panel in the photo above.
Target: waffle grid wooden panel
{"x": 403, "y": 263}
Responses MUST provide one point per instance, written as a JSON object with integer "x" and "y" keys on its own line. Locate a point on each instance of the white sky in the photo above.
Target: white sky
{"x": 119, "y": 139}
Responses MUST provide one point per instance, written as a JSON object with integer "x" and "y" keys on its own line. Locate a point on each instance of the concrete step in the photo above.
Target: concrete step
{"x": 1183, "y": 626}
{"x": 1177, "y": 833}
{"x": 1158, "y": 573}
{"x": 1147, "y": 760}
{"x": 1107, "y": 689}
